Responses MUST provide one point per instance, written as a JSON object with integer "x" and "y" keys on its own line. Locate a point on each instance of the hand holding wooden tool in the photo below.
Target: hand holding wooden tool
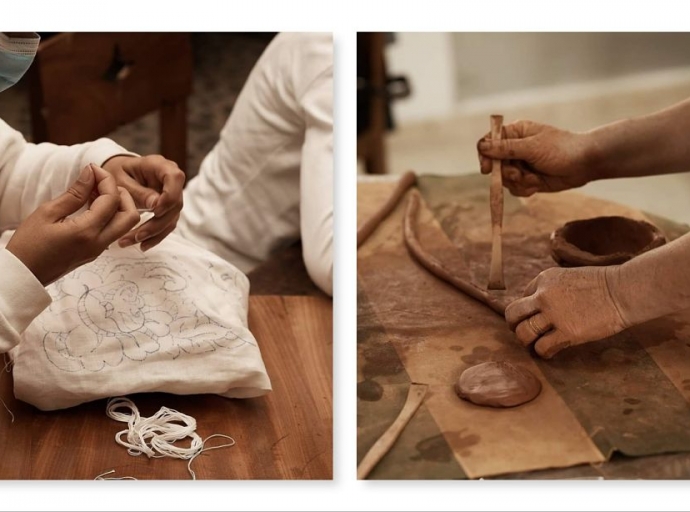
{"x": 496, "y": 281}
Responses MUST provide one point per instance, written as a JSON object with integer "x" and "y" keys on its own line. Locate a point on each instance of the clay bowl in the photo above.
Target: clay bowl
{"x": 603, "y": 241}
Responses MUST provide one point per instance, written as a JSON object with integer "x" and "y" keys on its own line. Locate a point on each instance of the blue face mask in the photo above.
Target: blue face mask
{"x": 16, "y": 55}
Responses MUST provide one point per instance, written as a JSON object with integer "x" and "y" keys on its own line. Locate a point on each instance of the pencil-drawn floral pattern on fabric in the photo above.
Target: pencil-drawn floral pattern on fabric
{"x": 127, "y": 309}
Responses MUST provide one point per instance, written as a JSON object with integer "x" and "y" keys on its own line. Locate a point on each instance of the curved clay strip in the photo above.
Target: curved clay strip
{"x": 369, "y": 226}
{"x": 436, "y": 267}
{"x": 415, "y": 397}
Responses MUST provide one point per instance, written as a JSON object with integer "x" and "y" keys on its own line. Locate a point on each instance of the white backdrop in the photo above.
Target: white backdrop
{"x": 344, "y": 18}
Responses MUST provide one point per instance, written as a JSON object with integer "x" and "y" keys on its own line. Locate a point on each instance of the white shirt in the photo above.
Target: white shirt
{"x": 266, "y": 182}
{"x": 269, "y": 179}
{"x": 31, "y": 174}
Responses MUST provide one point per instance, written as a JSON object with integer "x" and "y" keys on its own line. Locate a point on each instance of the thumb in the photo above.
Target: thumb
{"x": 76, "y": 196}
{"x": 506, "y": 149}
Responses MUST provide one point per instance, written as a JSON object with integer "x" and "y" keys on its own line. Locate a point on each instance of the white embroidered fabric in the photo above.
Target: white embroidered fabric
{"x": 173, "y": 319}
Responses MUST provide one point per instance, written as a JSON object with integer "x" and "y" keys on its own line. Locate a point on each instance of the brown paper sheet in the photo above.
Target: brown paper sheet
{"x": 622, "y": 393}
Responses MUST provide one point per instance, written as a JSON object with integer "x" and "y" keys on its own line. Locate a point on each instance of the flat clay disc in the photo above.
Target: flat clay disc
{"x": 497, "y": 384}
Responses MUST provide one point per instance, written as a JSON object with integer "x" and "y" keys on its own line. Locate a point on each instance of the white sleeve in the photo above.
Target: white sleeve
{"x": 316, "y": 181}
{"x": 22, "y": 298}
{"x": 31, "y": 174}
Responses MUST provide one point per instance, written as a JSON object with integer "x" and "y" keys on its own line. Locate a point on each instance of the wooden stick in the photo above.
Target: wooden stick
{"x": 435, "y": 266}
{"x": 415, "y": 397}
{"x": 496, "y": 281}
{"x": 369, "y": 226}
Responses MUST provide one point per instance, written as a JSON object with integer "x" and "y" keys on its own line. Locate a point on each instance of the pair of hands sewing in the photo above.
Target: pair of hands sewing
{"x": 567, "y": 307}
{"x": 52, "y": 241}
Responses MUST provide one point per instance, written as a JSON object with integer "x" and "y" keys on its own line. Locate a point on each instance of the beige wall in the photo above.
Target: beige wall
{"x": 492, "y": 63}
{"x": 449, "y": 71}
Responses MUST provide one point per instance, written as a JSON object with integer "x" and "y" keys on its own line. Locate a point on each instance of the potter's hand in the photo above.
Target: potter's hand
{"x": 537, "y": 158}
{"x": 153, "y": 182}
{"x": 566, "y": 307}
{"x": 51, "y": 244}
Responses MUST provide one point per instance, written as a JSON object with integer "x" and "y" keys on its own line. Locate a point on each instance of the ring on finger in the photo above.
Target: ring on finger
{"x": 538, "y": 330}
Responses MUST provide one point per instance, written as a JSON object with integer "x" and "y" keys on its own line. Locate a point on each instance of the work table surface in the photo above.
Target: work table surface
{"x": 618, "y": 408}
{"x": 284, "y": 435}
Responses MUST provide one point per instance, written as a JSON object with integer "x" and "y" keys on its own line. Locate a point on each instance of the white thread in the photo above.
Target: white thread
{"x": 8, "y": 363}
{"x": 8, "y": 369}
{"x": 8, "y": 409}
{"x": 100, "y": 477}
{"x": 155, "y": 436}
{"x": 191, "y": 459}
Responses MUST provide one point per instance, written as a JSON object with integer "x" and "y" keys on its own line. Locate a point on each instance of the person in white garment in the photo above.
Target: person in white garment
{"x": 268, "y": 179}
{"x": 67, "y": 204}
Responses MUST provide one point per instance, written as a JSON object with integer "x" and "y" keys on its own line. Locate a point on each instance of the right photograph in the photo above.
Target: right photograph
{"x": 522, "y": 255}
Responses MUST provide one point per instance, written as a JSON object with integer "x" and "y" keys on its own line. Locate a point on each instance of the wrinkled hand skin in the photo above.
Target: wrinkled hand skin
{"x": 153, "y": 182}
{"x": 52, "y": 241}
{"x": 570, "y": 306}
{"x": 538, "y": 158}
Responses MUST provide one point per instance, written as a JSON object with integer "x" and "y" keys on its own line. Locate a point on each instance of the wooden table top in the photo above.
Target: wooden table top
{"x": 284, "y": 435}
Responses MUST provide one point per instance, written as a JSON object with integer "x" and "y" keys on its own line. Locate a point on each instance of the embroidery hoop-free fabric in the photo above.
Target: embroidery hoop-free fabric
{"x": 173, "y": 319}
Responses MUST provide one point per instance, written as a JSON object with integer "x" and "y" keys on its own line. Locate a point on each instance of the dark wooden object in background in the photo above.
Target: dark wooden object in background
{"x": 370, "y": 143}
{"x": 85, "y": 85}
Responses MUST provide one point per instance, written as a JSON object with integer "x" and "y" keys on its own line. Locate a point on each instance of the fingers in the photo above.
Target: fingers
{"x": 485, "y": 163}
{"x": 173, "y": 182}
{"x": 106, "y": 205}
{"x": 156, "y": 183}
{"x": 508, "y": 149}
{"x": 152, "y": 228}
{"x": 105, "y": 183}
{"x": 530, "y": 329}
{"x": 519, "y": 191}
{"x": 153, "y": 181}
{"x": 518, "y": 178}
{"x": 124, "y": 219}
{"x": 143, "y": 196}
{"x": 153, "y": 241}
{"x": 519, "y": 310}
{"x": 75, "y": 197}
{"x": 551, "y": 344}
{"x": 531, "y": 287}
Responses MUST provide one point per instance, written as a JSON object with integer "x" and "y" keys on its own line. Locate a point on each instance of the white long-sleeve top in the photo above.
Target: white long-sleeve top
{"x": 30, "y": 175}
{"x": 269, "y": 179}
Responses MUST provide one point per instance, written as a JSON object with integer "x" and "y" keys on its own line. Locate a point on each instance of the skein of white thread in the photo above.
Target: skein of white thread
{"x": 155, "y": 436}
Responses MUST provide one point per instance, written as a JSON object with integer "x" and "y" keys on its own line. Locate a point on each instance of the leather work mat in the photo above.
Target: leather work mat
{"x": 627, "y": 395}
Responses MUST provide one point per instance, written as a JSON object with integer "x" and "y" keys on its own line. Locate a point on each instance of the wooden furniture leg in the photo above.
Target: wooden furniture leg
{"x": 173, "y": 132}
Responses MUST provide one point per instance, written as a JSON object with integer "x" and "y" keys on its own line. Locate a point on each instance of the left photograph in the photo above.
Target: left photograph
{"x": 166, "y": 233}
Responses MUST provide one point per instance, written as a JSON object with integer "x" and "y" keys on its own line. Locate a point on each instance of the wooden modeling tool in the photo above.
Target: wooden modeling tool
{"x": 415, "y": 397}
{"x": 496, "y": 281}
